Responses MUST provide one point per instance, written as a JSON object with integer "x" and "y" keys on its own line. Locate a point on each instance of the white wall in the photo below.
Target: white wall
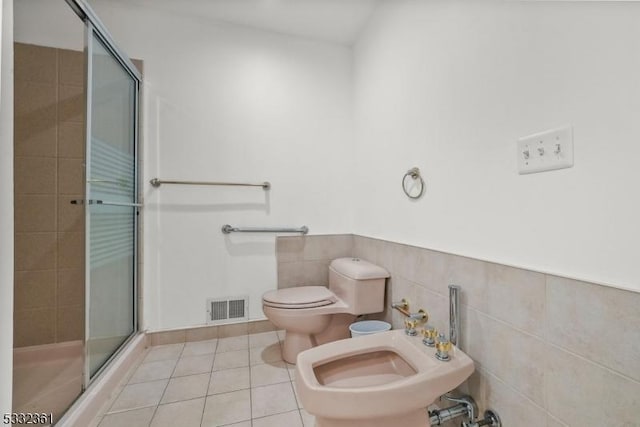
{"x": 32, "y": 24}
{"x": 224, "y": 103}
{"x": 444, "y": 85}
{"x": 6, "y": 204}
{"x": 227, "y": 103}
{"x": 449, "y": 86}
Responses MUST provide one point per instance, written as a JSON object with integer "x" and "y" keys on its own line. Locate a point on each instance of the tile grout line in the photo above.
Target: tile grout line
{"x": 513, "y": 389}
{"x": 127, "y": 378}
{"x": 250, "y": 382}
{"x": 552, "y": 344}
{"x": 295, "y": 395}
{"x": 556, "y": 419}
{"x": 505, "y": 323}
{"x": 279, "y": 413}
{"x": 206, "y": 393}
{"x": 180, "y": 357}
{"x": 597, "y": 364}
{"x": 155, "y": 409}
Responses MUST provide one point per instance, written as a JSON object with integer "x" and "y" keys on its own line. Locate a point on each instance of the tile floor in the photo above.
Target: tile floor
{"x": 239, "y": 381}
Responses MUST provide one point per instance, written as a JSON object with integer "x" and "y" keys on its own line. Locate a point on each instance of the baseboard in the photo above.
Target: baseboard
{"x": 200, "y": 333}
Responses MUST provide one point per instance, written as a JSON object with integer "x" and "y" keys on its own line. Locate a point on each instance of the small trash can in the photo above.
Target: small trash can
{"x": 368, "y": 327}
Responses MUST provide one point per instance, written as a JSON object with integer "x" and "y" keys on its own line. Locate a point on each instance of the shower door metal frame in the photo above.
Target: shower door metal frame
{"x": 95, "y": 27}
{"x": 86, "y": 13}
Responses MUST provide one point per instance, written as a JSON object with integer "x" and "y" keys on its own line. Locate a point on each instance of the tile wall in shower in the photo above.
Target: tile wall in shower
{"x": 49, "y": 231}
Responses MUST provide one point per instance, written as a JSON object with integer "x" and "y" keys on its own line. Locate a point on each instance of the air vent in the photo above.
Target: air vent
{"x": 220, "y": 310}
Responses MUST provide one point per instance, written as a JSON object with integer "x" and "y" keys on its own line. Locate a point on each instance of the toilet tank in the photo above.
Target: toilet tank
{"x": 358, "y": 283}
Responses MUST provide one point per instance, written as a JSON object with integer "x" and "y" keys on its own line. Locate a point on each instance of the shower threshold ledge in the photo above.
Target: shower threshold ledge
{"x": 89, "y": 404}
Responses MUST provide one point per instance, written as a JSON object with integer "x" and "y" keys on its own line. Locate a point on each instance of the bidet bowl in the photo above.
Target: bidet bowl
{"x": 375, "y": 378}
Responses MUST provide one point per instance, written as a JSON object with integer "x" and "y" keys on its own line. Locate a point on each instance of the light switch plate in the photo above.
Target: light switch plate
{"x": 545, "y": 151}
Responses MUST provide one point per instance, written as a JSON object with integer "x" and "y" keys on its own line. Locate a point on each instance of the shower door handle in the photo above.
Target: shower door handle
{"x": 105, "y": 203}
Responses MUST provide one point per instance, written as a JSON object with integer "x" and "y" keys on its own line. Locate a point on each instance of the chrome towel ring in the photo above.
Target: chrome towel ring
{"x": 413, "y": 173}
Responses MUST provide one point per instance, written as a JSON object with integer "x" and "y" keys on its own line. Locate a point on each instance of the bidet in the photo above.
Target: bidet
{"x": 377, "y": 380}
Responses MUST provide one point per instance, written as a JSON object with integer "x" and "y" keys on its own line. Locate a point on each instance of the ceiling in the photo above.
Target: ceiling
{"x": 338, "y": 21}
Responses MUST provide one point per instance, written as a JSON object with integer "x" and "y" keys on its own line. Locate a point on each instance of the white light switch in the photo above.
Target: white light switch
{"x": 545, "y": 151}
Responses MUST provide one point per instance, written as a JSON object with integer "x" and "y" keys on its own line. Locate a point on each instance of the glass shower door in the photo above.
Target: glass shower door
{"x": 111, "y": 204}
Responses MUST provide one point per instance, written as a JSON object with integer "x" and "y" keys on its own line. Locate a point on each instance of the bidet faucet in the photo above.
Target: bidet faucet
{"x": 402, "y": 306}
{"x": 443, "y": 347}
{"x": 421, "y": 315}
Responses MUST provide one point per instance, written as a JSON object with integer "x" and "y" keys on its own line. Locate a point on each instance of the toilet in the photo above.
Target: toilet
{"x": 314, "y": 315}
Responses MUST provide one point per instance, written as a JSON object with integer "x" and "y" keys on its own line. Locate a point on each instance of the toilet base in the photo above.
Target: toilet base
{"x": 417, "y": 418}
{"x": 295, "y": 342}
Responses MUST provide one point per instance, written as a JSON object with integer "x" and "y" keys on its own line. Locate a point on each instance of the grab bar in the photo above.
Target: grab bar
{"x": 156, "y": 182}
{"x": 226, "y": 229}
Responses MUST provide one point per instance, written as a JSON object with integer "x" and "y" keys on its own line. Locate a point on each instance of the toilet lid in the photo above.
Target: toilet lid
{"x": 299, "y": 297}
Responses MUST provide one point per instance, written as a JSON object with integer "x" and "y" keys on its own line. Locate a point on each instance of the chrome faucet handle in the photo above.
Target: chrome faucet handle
{"x": 443, "y": 346}
{"x": 400, "y": 304}
{"x": 429, "y": 334}
{"x": 410, "y": 327}
{"x": 421, "y": 316}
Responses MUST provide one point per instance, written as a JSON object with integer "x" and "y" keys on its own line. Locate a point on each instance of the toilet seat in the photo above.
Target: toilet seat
{"x": 299, "y": 297}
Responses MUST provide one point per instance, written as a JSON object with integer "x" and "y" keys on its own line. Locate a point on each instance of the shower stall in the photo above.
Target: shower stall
{"x": 76, "y": 210}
